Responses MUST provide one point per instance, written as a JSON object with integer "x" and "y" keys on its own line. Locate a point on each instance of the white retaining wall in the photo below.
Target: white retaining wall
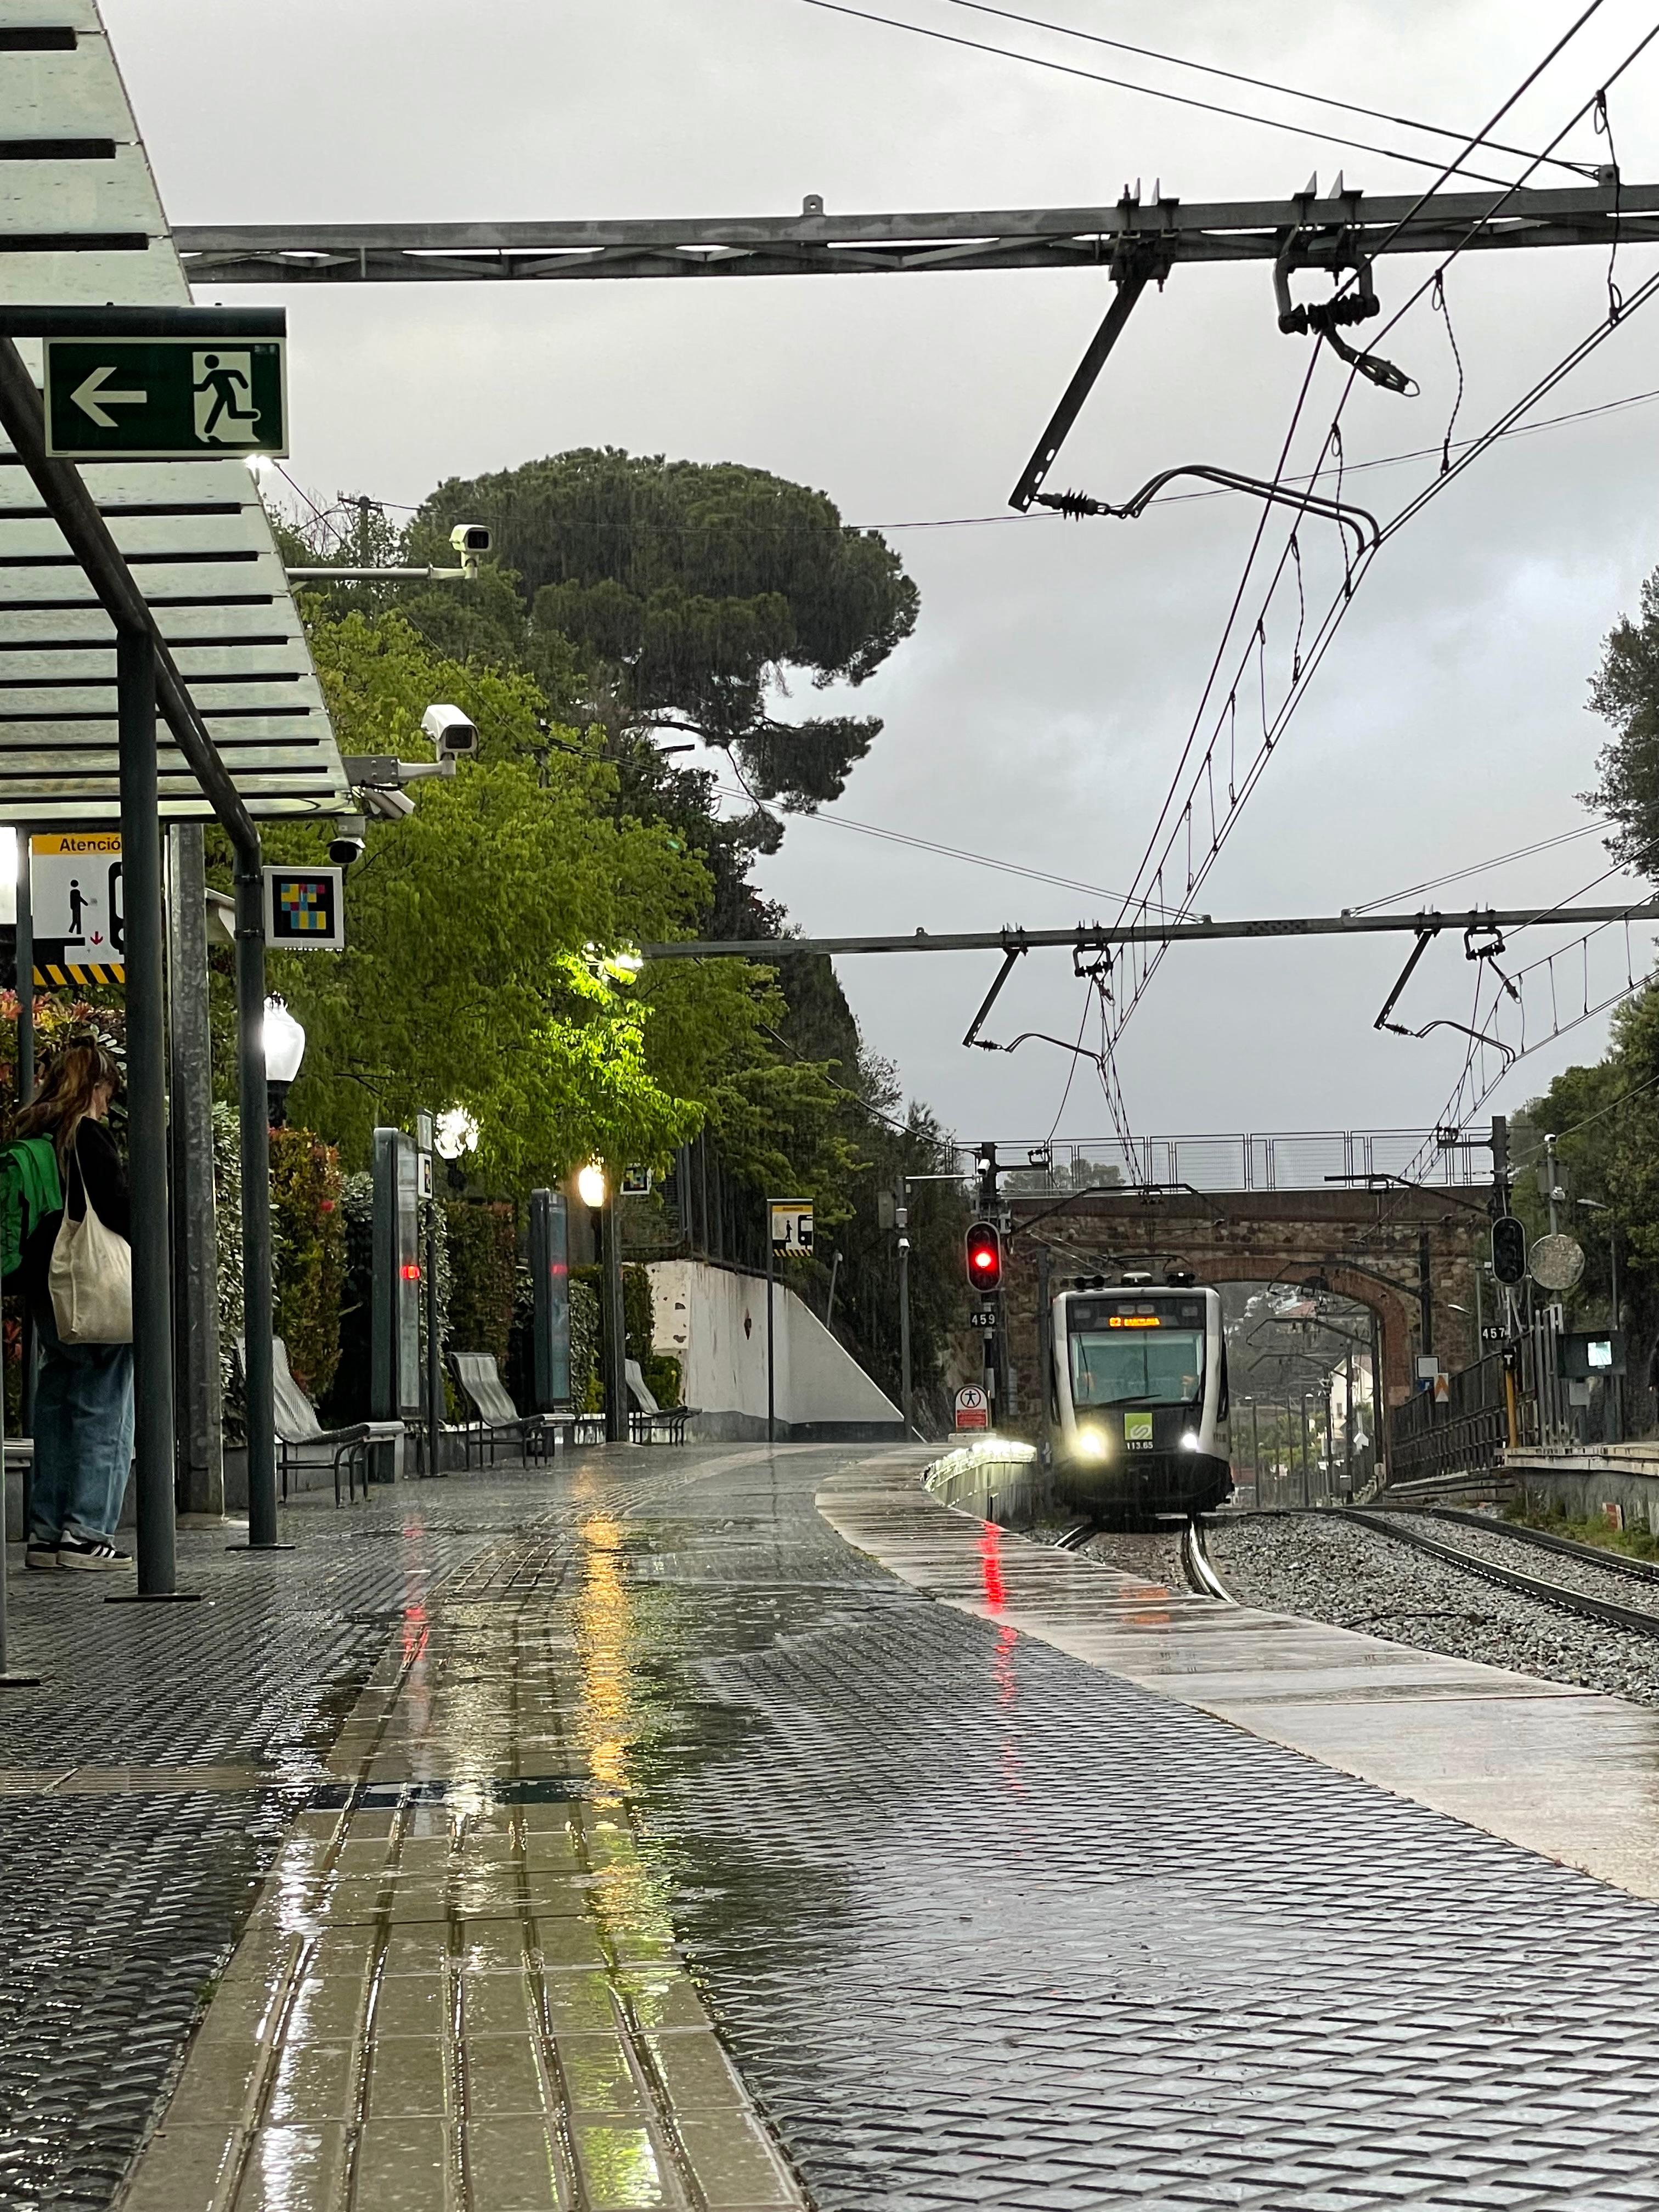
{"x": 713, "y": 1320}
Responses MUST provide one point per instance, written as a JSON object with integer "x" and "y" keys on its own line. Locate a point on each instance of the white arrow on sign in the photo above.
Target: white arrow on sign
{"x": 91, "y": 399}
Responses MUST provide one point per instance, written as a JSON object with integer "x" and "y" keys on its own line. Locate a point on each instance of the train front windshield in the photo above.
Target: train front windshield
{"x": 1139, "y": 1367}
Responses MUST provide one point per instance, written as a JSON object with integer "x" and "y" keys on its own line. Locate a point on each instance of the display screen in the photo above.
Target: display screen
{"x": 1598, "y": 1353}
{"x": 1160, "y": 1365}
{"x": 1128, "y": 1312}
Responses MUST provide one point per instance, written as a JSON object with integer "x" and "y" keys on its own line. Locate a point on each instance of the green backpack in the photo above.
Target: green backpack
{"x": 31, "y": 1187}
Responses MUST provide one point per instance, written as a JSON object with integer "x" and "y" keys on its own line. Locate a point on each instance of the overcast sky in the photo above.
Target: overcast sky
{"x": 1039, "y": 711}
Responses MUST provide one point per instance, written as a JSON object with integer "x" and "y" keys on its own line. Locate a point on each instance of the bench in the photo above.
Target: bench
{"x": 496, "y": 1415}
{"x": 647, "y": 1419}
{"x": 299, "y": 1430}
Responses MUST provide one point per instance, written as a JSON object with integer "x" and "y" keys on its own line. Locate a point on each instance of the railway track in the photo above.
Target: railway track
{"x": 1195, "y": 1563}
{"x": 1606, "y": 1610}
{"x": 1594, "y": 1555}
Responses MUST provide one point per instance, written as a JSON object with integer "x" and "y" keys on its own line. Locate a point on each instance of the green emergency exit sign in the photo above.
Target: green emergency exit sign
{"x": 165, "y": 399}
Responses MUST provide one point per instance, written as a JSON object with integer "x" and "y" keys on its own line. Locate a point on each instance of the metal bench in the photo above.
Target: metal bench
{"x": 647, "y": 1421}
{"x": 299, "y": 1430}
{"x": 496, "y": 1415}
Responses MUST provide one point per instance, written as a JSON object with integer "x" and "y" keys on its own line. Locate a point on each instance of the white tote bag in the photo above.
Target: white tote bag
{"x": 90, "y": 1278}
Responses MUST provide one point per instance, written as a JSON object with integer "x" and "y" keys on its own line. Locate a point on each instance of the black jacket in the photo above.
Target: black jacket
{"x": 97, "y": 1171}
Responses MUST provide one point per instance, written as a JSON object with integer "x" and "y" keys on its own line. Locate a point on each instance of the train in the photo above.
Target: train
{"x": 1138, "y": 1400}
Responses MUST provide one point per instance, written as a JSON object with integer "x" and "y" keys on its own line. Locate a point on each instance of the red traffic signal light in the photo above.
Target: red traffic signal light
{"x": 984, "y": 1257}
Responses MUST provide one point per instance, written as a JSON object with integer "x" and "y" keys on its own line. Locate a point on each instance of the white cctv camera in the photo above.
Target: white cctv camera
{"x": 347, "y": 843}
{"x": 453, "y": 736}
{"x": 390, "y": 805}
{"x": 472, "y": 542}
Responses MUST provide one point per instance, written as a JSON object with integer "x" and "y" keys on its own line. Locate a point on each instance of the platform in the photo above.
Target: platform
{"x": 511, "y": 1786}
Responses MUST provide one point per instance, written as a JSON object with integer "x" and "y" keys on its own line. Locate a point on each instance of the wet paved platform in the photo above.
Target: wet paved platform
{"x": 1562, "y": 1770}
{"x": 527, "y": 1780}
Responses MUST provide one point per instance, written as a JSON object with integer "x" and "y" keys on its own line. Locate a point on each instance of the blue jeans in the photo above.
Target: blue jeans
{"x": 82, "y": 1435}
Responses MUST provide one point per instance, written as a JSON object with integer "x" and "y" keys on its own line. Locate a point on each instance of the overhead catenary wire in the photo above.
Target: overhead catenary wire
{"x": 1149, "y": 877}
{"x": 1479, "y": 867}
{"x": 1257, "y": 84}
{"x": 1158, "y": 92}
{"x": 946, "y": 852}
{"x": 1047, "y": 515}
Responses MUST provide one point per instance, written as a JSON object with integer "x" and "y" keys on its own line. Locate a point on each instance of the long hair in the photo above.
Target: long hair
{"x": 64, "y": 1096}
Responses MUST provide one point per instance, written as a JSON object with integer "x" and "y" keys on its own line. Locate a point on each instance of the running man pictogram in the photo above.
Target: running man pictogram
{"x": 217, "y": 379}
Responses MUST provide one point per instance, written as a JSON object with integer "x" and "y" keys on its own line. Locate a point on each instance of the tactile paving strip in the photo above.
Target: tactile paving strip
{"x": 119, "y": 1907}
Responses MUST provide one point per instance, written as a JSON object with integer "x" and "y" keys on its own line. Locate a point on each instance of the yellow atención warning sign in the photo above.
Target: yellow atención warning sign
{"x": 76, "y": 906}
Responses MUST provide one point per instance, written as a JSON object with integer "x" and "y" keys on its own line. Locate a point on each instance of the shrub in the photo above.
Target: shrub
{"x": 484, "y": 1276}
{"x": 586, "y": 1390}
{"x": 661, "y": 1372}
{"x": 308, "y": 1227}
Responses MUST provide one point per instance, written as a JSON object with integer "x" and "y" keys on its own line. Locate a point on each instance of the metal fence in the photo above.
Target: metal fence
{"x": 1470, "y": 1432}
{"x": 1288, "y": 1160}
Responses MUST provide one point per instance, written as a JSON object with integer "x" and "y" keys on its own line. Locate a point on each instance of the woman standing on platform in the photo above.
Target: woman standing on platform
{"x": 83, "y": 1396}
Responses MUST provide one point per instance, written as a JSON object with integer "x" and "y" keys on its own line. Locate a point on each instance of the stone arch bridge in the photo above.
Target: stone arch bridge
{"x": 1382, "y": 1248}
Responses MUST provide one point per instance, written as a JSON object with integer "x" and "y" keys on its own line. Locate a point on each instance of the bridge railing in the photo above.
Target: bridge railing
{"x": 1288, "y": 1160}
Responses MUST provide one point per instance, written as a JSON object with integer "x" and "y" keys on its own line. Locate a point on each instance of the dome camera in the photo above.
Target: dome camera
{"x": 347, "y": 843}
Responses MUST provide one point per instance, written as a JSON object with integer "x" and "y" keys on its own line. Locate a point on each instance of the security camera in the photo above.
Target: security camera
{"x": 454, "y": 737}
{"x": 347, "y": 843}
{"x": 390, "y": 805}
{"x": 472, "y": 542}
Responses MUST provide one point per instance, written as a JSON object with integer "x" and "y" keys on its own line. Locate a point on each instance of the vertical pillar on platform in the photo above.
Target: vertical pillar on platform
{"x": 198, "y": 1393}
{"x": 24, "y": 1093}
{"x": 147, "y": 1114}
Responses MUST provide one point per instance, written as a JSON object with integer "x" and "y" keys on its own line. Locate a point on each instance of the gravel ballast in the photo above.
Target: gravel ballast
{"x": 1327, "y": 1569}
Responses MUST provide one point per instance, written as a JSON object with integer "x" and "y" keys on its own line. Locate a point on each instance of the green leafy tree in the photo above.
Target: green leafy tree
{"x": 1625, "y": 692}
{"x": 1606, "y": 1121}
{"x": 689, "y": 592}
{"x": 467, "y": 978}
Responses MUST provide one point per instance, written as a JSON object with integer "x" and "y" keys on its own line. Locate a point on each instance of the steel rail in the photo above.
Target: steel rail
{"x": 1196, "y": 1566}
{"x": 1096, "y": 935}
{"x": 1631, "y": 1618}
{"x": 1592, "y": 1555}
{"x": 1315, "y": 234}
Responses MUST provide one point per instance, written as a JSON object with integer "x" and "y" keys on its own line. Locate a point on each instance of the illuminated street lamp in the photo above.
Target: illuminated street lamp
{"x": 593, "y": 1189}
{"x": 590, "y": 1186}
{"x": 285, "y": 1048}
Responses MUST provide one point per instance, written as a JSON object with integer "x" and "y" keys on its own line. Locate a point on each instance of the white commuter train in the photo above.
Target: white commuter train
{"x": 1139, "y": 1399}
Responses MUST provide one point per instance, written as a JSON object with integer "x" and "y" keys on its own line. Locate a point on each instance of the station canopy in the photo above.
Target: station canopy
{"x": 82, "y": 225}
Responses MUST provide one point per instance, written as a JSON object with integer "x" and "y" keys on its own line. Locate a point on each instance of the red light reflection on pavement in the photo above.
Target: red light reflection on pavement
{"x": 416, "y": 1630}
{"x": 990, "y": 1555}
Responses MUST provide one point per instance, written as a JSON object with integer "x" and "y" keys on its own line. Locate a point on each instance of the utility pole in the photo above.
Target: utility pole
{"x": 771, "y": 1338}
{"x": 1045, "y": 1338}
{"x": 902, "y": 1216}
{"x": 1348, "y": 1426}
{"x": 1549, "y": 1179}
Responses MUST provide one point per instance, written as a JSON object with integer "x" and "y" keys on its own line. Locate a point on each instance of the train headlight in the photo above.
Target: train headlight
{"x": 1189, "y": 1440}
{"x": 1090, "y": 1444}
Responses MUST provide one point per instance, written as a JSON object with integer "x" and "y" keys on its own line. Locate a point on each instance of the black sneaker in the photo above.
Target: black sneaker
{"x": 40, "y": 1553}
{"x": 90, "y": 1555}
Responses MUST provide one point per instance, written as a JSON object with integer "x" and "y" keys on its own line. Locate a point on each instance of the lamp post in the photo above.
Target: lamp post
{"x": 597, "y": 1194}
{"x": 285, "y": 1048}
{"x": 450, "y": 1134}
